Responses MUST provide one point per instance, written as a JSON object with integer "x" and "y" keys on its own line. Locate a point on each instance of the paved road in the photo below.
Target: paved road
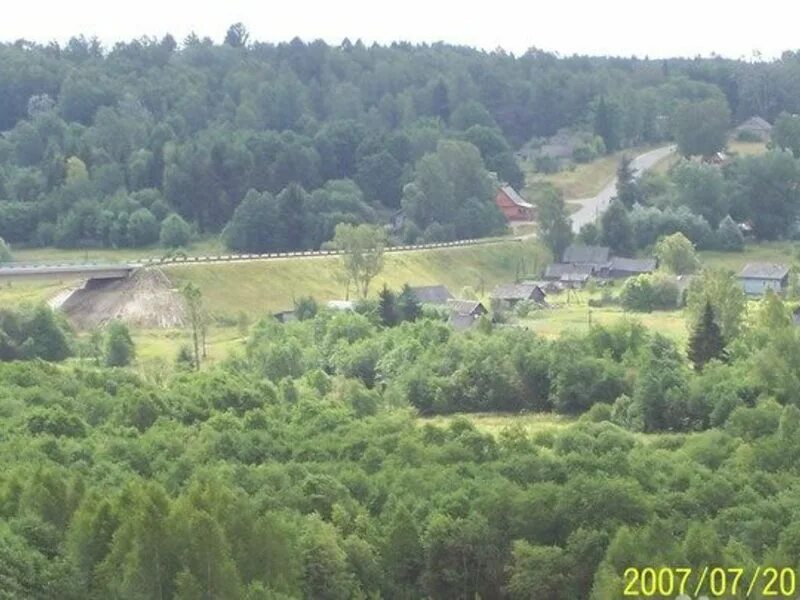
{"x": 592, "y": 208}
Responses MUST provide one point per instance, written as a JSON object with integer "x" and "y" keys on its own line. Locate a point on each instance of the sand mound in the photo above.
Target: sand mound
{"x": 145, "y": 299}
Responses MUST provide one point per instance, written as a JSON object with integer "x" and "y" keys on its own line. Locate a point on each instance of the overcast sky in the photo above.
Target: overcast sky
{"x": 609, "y": 27}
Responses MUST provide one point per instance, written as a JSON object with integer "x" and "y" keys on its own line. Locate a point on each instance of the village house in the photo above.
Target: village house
{"x": 465, "y": 313}
{"x": 596, "y": 257}
{"x": 755, "y": 127}
{"x": 432, "y": 294}
{"x": 570, "y": 275}
{"x": 508, "y": 295}
{"x": 620, "y": 267}
{"x": 757, "y": 278}
{"x": 513, "y": 206}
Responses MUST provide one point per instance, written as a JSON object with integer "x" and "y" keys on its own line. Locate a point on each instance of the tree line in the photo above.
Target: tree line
{"x": 151, "y": 141}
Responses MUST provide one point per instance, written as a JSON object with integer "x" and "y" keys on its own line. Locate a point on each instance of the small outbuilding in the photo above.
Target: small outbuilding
{"x": 756, "y": 127}
{"x": 465, "y": 313}
{"x": 432, "y": 294}
{"x": 595, "y": 256}
{"x": 508, "y": 295}
{"x": 567, "y": 271}
{"x": 619, "y": 267}
{"x": 285, "y": 316}
{"x": 757, "y": 278}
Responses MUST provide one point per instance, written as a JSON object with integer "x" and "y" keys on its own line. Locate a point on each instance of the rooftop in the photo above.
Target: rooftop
{"x": 558, "y": 270}
{"x": 764, "y": 271}
{"x": 633, "y": 265}
{"x": 755, "y": 123}
{"x": 578, "y": 254}
{"x": 514, "y": 196}
{"x": 432, "y": 294}
{"x": 466, "y": 307}
{"x": 515, "y": 291}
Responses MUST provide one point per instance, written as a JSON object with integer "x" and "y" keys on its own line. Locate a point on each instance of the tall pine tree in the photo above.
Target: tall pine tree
{"x": 387, "y": 307}
{"x": 706, "y": 342}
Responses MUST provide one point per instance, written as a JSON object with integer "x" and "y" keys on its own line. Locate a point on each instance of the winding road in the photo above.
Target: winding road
{"x": 592, "y": 208}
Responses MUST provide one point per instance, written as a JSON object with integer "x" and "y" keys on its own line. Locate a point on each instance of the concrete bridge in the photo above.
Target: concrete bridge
{"x": 12, "y": 272}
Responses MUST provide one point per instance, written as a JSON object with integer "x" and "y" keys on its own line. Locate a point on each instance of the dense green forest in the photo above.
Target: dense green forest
{"x": 299, "y": 468}
{"x": 143, "y": 141}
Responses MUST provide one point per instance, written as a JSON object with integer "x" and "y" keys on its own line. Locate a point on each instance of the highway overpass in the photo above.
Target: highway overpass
{"x": 13, "y": 272}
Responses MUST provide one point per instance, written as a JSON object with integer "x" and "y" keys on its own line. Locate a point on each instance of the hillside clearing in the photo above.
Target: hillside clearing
{"x": 582, "y": 180}
{"x": 255, "y": 288}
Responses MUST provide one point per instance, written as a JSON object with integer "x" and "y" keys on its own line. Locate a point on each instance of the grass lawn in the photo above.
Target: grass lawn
{"x": 31, "y": 291}
{"x": 582, "y": 181}
{"x": 258, "y": 287}
{"x": 738, "y": 148}
{"x": 571, "y": 313}
{"x": 158, "y": 345}
{"x": 779, "y": 252}
{"x": 494, "y": 423}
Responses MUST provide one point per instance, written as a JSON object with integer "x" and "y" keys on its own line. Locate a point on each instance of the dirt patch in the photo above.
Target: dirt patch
{"x": 145, "y": 299}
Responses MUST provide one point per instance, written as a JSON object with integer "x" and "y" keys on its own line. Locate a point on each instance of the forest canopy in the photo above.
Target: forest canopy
{"x": 103, "y": 146}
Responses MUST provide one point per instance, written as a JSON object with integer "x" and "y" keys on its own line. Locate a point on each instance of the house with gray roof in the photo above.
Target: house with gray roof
{"x": 756, "y": 127}
{"x": 619, "y": 267}
{"x": 465, "y": 313}
{"x": 508, "y": 295}
{"x": 757, "y": 278}
{"x": 432, "y": 294}
{"x": 566, "y": 272}
{"x": 577, "y": 254}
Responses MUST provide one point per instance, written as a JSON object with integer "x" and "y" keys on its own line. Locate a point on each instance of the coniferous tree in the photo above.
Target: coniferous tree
{"x": 617, "y": 230}
{"x": 408, "y": 307}
{"x": 387, "y": 307}
{"x": 706, "y": 342}
{"x": 627, "y": 190}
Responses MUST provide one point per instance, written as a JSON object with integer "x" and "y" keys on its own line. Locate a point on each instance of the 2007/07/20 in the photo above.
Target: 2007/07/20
{"x": 718, "y": 582}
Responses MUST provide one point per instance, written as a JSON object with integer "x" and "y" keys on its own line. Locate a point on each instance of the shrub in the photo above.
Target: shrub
{"x": 646, "y": 293}
{"x": 175, "y": 232}
{"x": 728, "y": 236}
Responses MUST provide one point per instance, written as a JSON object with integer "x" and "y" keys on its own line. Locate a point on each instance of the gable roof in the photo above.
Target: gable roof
{"x": 466, "y": 307}
{"x": 633, "y": 265}
{"x": 771, "y": 271}
{"x": 559, "y": 270}
{"x": 432, "y": 294}
{"x": 590, "y": 255}
{"x": 514, "y": 196}
{"x": 755, "y": 123}
{"x": 516, "y": 291}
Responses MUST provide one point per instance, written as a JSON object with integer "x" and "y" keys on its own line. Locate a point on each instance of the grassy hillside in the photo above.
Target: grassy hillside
{"x": 263, "y": 286}
{"x": 31, "y": 291}
{"x": 583, "y": 180}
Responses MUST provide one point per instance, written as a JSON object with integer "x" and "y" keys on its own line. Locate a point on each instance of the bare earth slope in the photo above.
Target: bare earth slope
{"x": 146, "y": 299}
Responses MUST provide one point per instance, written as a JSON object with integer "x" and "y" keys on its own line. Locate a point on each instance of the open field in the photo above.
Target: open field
{"x": 584, "y": 180}
{"x": 572, "y": 314}
{"x": 32, "y": 291}
{"x": 163, "y": 344}
{"x": 783, "y": 252}
{"x": 738, "y": 148}
{"x": 255, "y": 288}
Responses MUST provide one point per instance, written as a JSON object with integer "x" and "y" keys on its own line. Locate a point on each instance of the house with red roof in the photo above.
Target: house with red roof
{"x": 513, "y": 206}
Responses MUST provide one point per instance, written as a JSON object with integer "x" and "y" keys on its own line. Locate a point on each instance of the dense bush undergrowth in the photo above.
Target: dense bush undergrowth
{"x": 299, "y": 469}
